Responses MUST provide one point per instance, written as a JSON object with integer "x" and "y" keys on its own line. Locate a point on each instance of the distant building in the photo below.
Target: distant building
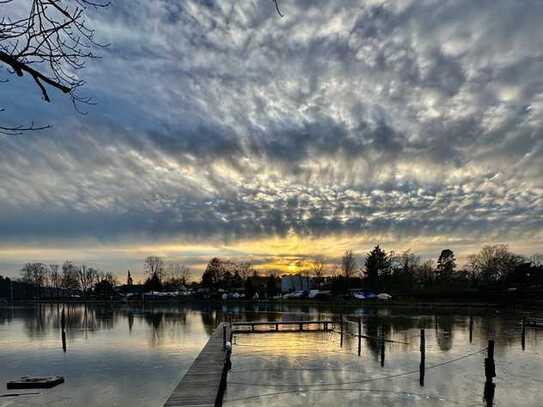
{"x": 298, "y": 282}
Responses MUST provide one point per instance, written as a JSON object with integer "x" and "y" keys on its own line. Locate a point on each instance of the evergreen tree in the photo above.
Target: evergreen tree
{"x": 378, "y": 264}
{"x": 446, "y": 265}
{"x": 213, "y": 273}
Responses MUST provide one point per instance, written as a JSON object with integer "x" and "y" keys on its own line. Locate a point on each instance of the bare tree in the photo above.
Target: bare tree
{"x": 154, "y": 265}
{"x": 88, "y": 276}
{"x": 49, "y": 41}
{"x": 318, "y": 270}
{"x": 493, "y": 263}
{"x": 55, "y": 277}
{"x": 35, "y": 274}
{"x": 348, "y": 264}
{"x": 177, "y": 274}
{"x": 107, "y": 277}
{"x": 70, "y": 276}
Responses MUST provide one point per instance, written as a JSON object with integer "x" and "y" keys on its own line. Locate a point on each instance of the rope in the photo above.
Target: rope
{"x": 427, "y": 396}
{"x": 366, "y": 380}
{"x": 369, "y": 337}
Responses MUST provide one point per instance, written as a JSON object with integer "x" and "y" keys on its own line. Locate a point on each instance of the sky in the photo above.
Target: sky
{"x": 222, "y": 129}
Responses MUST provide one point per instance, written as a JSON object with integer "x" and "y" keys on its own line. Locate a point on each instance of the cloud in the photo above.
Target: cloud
{"x": 219, "y": 121}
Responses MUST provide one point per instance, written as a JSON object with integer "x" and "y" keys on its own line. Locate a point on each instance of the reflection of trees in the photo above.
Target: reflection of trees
{"x": 444, "y": 331}
{"x": 84, "y": 321}
{"x": 210, "y": 320}
{"x": 154, "y": 320}
{"x": 130, "y": 321}
{"x": 372, "y": 328}
{"x": 6, "y": 315}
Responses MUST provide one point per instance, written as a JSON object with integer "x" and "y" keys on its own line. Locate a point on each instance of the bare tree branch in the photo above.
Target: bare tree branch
{"x": 50, "y": 43}
{"x": 277, "y": 8}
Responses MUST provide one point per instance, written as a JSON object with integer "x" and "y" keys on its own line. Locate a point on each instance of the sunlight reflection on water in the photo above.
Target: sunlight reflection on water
{"x": 135, "y": 357}
{"x": 312, "y": 369}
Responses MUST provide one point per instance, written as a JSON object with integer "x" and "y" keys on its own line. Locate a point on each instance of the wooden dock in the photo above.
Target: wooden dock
{"x": 250, "y": 327}
{"x": 205, "y": 381}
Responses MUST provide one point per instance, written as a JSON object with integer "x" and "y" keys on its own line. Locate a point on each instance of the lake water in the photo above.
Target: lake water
{"x": 134, "y": 357}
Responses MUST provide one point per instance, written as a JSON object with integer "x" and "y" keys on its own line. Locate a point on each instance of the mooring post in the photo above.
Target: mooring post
{"x": 470, "y": 328}
{"x": 359, "y": 336}
{"x": 382, "y": 345}
{"x": 422, "y": 366}
{"x": 63, "y": 326}
{"x": 490, "y": 373}
{"x": 523, "y": 339}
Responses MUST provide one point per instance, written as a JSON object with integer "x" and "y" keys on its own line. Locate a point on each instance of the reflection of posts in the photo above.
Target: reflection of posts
{"x": 422, "y": 366}
{"x": 523, "y": 339}
{"x": 490, "y": 373}
{"x": 359, "y": 336}
{"x": 470, "y": 328}
{"x": 63, "y": 327}
{"x": 382, "y": 345}
{"x": 341, "y": 330}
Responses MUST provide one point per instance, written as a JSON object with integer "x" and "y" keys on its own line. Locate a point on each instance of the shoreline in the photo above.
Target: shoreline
{"x": 333, "y": 304}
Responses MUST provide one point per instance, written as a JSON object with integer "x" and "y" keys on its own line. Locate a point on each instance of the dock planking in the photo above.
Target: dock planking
{"x": 201, "y": 385}
{"x": 249, "y": 327}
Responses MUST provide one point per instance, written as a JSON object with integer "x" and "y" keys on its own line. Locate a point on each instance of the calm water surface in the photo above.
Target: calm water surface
{"x": 135, "y": 357}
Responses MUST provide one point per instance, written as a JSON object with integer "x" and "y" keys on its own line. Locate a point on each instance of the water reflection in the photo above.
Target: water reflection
{"x": 134, "y": 356}
{"x": 315, "y": 369}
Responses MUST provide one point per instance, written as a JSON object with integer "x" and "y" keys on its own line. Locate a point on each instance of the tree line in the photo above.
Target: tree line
{"x": 228, "y": 275}
{"x": 494, "y": 266}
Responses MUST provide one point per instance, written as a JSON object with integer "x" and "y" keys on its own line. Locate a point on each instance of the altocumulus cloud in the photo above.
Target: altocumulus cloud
{"x": 220, "y": 120}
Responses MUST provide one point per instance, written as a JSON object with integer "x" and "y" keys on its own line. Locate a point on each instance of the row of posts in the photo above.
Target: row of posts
{"x": 490, "y": 367}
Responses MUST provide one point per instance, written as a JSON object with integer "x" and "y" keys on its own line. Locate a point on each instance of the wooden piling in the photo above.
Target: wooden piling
{"x": 490, "y": 373}
{"x": 422, "y": 366}
{"x": 63, "y": 328}
{"x": 359, "y": 336}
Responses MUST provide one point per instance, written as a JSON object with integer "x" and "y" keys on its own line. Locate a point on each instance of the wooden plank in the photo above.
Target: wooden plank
{"x": 202, "y": 382}
{"x": 269, "y": 331}
{"x": 251, "y": 323}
